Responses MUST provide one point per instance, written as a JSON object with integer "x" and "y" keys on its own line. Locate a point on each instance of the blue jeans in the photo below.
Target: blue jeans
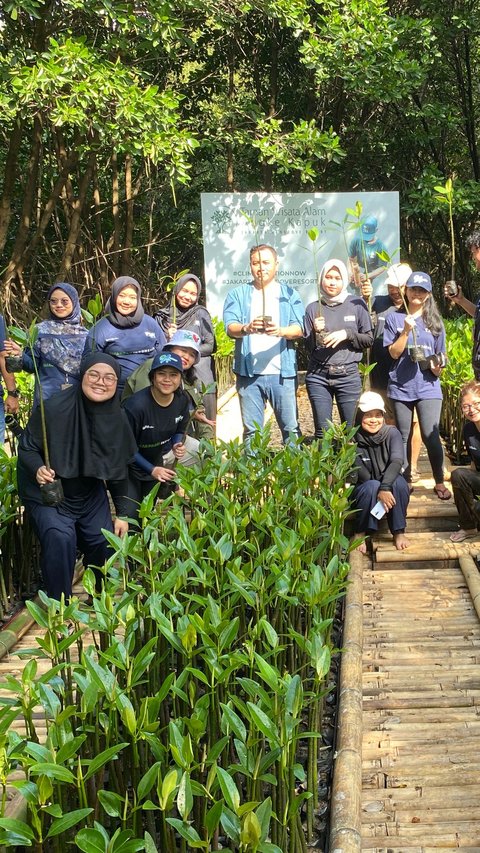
{"x": 323, "y": 388}
{"x": 254, "y": 392}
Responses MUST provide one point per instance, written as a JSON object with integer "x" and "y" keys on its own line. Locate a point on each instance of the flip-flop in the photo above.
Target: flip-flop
{"x": 461, "y": 535}
{"x": 442, "y": 492}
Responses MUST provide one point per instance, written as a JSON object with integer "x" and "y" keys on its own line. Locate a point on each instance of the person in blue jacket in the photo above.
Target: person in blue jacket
{"x": 58, "y": 346}
{"x": 126, "y": 332}
{"x": 416, "y": 343}
{"x": 337, "y": 332}
{"x": 265, "y": 317}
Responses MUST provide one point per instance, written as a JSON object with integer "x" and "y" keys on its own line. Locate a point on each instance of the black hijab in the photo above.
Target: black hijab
{"x": 85, "y": 438}
{"x": 120, "y": 320}
{"x": 183, "y": 316}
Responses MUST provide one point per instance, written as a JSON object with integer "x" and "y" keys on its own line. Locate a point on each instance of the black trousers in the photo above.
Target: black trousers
{"x": 61, "y": 536}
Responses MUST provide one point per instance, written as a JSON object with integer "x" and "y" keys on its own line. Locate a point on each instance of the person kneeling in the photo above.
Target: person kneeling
{"x": 159, "y": 416}
{"x": 378, "y": 474}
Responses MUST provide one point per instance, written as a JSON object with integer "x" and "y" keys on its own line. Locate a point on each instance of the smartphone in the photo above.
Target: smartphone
{"x": 378, "y": 510}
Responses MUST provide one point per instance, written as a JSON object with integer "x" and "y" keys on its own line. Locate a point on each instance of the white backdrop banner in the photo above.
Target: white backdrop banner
{"x": 233, "y": 222}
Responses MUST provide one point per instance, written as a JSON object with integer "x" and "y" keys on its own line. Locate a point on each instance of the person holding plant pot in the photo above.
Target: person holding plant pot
{"x": 126, "y": 332}
{"x": 159, "y": 417}
{"x": 453, "y": 292}
{"x": 338, "y": 329}
{"x": 416, "y": 343}
{"x": 185, "y": 313}
{"x": 380, "y": 489}
{"x": 83, "y": 447}
{"x": 466, "y": 481}
{"x": 58, "y": 344}
{"x": 264, "y": 318}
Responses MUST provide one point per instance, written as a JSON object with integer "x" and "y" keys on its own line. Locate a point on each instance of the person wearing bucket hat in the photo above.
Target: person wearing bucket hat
{"x": 184, "y": 313}
{"x": 159, "y": 416}
{"x": 416, "y": 343}
{"x": 365, "y": 247}
{"x": 90, "y": 445}
{"x": 380, "y": 489}
{"x": 59, "y": 344}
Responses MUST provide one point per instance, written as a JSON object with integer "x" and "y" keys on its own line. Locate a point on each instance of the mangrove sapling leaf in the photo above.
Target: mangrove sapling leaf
{"x": 113, "y": 804}
{"x": 230, "y": 824}
{"x": 91, "y": 841}
{"x": 188, "y": 833}
{"x": 95, "y": 764}
{"x": 445, "y": 195}
{"x": 64, "y": 823}
{"x": 212, "y": 819}
{"x": 231, "y": 720}
{"x": 251, "y": 831}
{"x": 14, "y": 832}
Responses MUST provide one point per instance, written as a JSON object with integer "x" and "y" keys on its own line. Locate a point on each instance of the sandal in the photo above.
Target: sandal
{"x": 461, "y": 535}
{"x": 442, "y": 492}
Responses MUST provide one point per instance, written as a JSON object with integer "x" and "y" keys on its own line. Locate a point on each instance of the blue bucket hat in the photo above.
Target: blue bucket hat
{"x": 420, "y": 279}
{"x": 165, "y": 359}
{"x": 369, "y": 228}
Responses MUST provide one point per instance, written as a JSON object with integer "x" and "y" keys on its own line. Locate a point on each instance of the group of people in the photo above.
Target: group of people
{"x": 127, "y": 400}
{"x": 406, "y": 337}
{"x": 123, "y": 403}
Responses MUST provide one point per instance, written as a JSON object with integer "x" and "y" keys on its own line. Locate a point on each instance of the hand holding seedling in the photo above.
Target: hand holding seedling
{"x": 163, "y": 475}
{"x": 408, "y": 324}
{"x": 179, "y": 450}
{"x": 45, "y": 475}
{"x": 366, "y": 288}
{"x": 333, "y": 339}
{"x": 120, "y": 527}
{"x": 11, "y": 348}
{"x": 171, "y": 329}
{"x": 319, "y": 324}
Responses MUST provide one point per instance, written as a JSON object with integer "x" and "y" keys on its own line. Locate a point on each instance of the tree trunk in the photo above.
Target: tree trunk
{"x": 272, "y": 100}
{"x": 114, "y": 242}
{"x": 10, "y": 176}
{"x": 100, "y": 243}
{"x": 126, "y": 255}
{"x": 76, "y": 221}
{"x": 231, "y": 99}
{"x": 25, "y": 220}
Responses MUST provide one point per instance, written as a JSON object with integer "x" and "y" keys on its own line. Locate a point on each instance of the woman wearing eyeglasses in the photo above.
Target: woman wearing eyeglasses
{"x": 90, "y": 445}
{"x": 466, "y": 481}
{"x": 58, "y": 346}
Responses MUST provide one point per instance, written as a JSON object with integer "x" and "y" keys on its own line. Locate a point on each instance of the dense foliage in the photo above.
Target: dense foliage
{"x": 192, "y": 715}
{"x": 114, "y": 117}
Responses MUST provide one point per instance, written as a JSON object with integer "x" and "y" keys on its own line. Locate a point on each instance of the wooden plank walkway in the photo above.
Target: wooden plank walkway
{"x": 419, "y": 688}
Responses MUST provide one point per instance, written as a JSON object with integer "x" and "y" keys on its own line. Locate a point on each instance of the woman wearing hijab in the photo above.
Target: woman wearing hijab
{"x": 380, "y": 488}
{"x": 184, "y": 312}
{"x": 58, "y": 345}
{"x": 126, "y": 332}
{"x": 337, "y": 330}
{"x": 90, "y": 445}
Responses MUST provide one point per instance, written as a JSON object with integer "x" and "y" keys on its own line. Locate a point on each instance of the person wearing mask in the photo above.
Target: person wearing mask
{"x": 338, "y": 330}
{"x": 416, "y": 343}
{"x": 90, "y": 445}
{"x": 58, "y": 345}
{"x": 380, "y": 489}
{"x": 184, "y": 313}
{"x": 126, "y": 332}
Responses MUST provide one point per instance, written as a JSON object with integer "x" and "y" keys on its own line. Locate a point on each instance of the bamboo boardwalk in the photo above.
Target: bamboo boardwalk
{"x": 407, "y": 769}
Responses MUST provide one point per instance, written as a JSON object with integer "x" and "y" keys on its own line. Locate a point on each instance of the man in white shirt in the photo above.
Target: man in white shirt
{"x": 265, "y": 317}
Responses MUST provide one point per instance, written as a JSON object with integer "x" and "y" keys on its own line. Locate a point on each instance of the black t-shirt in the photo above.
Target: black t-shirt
{"x": 471, "y": 437}
{"x": 155, "y": 426}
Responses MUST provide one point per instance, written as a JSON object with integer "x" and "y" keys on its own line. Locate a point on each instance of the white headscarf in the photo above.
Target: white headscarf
{"x": 341, "y": 297}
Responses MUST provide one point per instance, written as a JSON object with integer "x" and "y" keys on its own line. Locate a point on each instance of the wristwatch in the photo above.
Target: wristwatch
{"x": 14, "y": 393}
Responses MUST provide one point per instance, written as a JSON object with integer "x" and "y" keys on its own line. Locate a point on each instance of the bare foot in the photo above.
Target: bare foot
{"x": 362, "y": 547}
{"x": 460, "y": 535}
{"x": 400, "y": 541}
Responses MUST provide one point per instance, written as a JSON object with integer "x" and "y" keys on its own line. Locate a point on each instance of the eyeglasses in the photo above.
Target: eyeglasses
{"x": 108, "y": 379}
{"x": 62, "y": 302}
{"x": 470, "y": 407}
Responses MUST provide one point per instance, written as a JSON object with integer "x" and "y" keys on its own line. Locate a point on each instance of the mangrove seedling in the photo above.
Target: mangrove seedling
{"x": 445, "y": 195}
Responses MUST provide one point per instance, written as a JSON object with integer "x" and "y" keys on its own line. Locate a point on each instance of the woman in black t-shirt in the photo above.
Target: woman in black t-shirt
{"x": 466, "y": 481}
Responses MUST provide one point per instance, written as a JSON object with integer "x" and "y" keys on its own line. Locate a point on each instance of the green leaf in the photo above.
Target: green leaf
{"x": 91, "y": 841}
{"x": 229, "y": 789}
{"x": 212, "y": 818}
{"x": 185, "y": 797}
{"x": 67, "y": 821}
{"x": 187, "y": 832}
{"x": 234, "y": 722}
{"x": 148, "y": 780}
{"x": 264, "y": 724}
{"x": 101, "y": 759}
{"x": 112, "y": 803}
{"x": 17, "y": 829}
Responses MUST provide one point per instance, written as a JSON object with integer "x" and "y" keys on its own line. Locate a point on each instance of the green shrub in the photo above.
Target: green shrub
{"x": 457, "y": 371}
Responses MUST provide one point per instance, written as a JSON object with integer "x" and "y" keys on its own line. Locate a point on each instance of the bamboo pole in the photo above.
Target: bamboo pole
{"x": 345, "y": 821}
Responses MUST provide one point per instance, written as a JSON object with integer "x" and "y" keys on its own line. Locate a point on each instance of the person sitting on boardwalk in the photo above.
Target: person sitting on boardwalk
{"x": 466, "y": 481}
{"x": 378, "y": 474}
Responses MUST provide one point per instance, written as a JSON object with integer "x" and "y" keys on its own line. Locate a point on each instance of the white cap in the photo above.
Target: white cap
{"x": 398, "y": 274}
{"x": 369, "y": 401}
